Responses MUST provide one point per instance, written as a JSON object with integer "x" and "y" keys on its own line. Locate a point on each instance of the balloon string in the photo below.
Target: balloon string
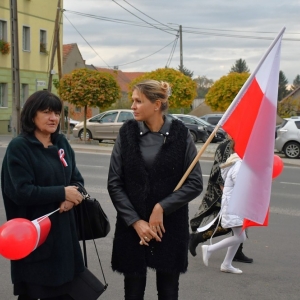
{"x": 46, "y": 216}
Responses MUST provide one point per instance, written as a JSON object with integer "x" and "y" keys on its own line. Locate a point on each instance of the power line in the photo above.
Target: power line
{"x": 132, "y": 23}
{"x": 141, "y": 18}
{"x": 149, "y": 55}
{"x": 88, "y": 42}
{"x": 172, "y": 53}
{"x": 119, "y": 64}
{"x": 147, "y": 15}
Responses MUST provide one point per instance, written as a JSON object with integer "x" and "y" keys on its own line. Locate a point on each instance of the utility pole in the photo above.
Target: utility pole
{"x": 54, "y": 46}
{"x": 62, "y": 121}
{"x": 15, "y": 66}
{"x": 181, "y": 55}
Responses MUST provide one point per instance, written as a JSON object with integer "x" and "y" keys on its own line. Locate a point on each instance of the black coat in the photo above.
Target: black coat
{"x": 135, "y": 188}
{"x": 32, "y": 181}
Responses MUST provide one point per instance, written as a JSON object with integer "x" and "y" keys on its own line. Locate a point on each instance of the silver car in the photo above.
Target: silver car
{"x": 104, "y": 126}
{"x": 288, "y": 138}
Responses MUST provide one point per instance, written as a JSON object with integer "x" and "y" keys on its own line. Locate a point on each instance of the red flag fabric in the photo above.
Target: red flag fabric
{"x": 43, "y": 226}
{"x": 250, "y": 120}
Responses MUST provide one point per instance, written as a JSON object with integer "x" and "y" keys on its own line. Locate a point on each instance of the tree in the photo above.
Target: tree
{"x": 183, "y": 87}
{"x": 224, "y": 90}
{"x": 296, "y": 82}
{"x": 203, "y": 85}
{"x": 185, "y": 71}
{"x": 84, "y": 87}
{"x": 288, "y": 107}
{"x": 282, "y": 87}
{"x": 240, "y": 66}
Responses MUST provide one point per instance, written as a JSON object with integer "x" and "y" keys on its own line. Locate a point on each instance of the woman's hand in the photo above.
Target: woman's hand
{"x": 145, "y": 232}
{"x": 156, "y": 220}
{"x": 65, "y": 206}
{"x": 72, "y": 194}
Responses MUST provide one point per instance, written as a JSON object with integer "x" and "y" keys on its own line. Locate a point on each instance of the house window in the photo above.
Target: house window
{"x": 43, "y": 41}
{"x": 26, "y": 38}
{"x": 3, "y": 30}
{"x": 78, "y": 109}
{"x": 3, "y": 95}
{"x": 24, "y": 93}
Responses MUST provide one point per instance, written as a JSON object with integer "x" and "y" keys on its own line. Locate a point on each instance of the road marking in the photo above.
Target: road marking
{"x": 290, "y": 183}
{"x": 285, "y": 211}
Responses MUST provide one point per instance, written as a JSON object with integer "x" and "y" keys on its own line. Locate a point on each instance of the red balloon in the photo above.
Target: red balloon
{"x": 18, "y": 238}
{"x": 277, "y": 166}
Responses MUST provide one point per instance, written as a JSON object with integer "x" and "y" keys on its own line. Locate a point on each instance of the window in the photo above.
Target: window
{"x": 3, "y": 95}
{"x": 26, "y": 38}
{"x": 124, "y": 116}
{"x": 43, "y": 41}
{"x": 24, "y": 94}
{"x": 109, "y": 117}
{"x": 77, "y": 109}
{"x": 3, "y": 30}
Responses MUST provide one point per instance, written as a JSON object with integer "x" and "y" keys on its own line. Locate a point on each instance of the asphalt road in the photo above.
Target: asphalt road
{"x": 275, "y": 249}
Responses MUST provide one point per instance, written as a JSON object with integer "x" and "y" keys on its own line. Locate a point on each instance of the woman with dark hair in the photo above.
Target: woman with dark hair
{"x": 149, "y": 158}
{"x": 37, "y": 171}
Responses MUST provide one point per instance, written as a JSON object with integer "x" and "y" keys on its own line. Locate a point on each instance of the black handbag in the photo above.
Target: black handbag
{"x": 86, "y": 285}
{"x": 91, "y": 220}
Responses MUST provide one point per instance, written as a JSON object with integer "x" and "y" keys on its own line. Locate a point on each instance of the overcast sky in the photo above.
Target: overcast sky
{"x": 215, "y": 33}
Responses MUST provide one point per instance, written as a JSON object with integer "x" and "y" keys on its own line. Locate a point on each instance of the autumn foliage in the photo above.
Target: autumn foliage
{"x": 224, "y": 90}
{"x": 84, "y": 87}
{"x": 183, "y": 87}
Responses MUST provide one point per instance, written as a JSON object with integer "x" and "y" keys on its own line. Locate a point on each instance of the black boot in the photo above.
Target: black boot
{"x": 195, "y": 239}
{"x": 241, "y": 257}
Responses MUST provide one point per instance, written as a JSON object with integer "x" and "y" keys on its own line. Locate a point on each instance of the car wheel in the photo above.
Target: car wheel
{"x": 88, "y": 135}
{"x": 292, "y": 150}
{"x": 194, "y": 136}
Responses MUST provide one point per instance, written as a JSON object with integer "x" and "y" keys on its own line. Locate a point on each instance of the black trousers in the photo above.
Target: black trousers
{"x": 167, "y": 285}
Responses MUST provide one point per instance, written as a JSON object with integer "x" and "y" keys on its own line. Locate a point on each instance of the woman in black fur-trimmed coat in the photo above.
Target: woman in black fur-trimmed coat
{"x": 149, "y": 158}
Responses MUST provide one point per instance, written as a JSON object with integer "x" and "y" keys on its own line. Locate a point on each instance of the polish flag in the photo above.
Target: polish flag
{"x": 43, "y": 226}
{"x": 251, "y": 121}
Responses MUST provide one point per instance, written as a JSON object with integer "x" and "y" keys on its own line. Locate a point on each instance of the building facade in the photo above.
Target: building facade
{"x": 36, "y": 24}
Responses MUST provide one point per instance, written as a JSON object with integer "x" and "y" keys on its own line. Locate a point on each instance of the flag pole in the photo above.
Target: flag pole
{"x": 196, "y": 159}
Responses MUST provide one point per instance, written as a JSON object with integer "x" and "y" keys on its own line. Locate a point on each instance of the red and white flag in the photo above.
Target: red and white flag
{"x": 251, "y": 121}
{"x": 43, "y": 226}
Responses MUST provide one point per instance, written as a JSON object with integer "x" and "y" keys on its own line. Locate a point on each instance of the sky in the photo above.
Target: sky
{"x": 131, "y": 33}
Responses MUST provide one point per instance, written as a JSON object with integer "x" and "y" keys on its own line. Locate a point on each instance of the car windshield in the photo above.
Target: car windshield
{"x": 204, "y": 122}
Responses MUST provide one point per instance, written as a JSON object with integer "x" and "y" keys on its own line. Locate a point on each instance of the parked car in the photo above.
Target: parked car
{"x": 198, "y": 132}
{"x": 188, "y": 119}
{"x": 213, "y": 119}
{"x": 73, "y": 123}
{"x": 104, "y": 126}
{"x": 288, "y": 138}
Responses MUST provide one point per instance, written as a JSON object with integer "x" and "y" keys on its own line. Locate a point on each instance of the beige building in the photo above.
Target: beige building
{"x": 36, "y": 22}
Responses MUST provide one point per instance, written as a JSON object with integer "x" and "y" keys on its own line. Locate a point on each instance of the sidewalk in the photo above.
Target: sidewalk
{"x": 106, "y": 148}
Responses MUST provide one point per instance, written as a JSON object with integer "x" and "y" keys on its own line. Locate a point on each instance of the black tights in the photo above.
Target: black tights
{"x": 167, "y": 285}
{"x": 63, "y": 297}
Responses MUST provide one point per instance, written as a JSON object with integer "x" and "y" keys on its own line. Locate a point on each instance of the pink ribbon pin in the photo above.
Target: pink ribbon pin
{"x": 61, "y": 153}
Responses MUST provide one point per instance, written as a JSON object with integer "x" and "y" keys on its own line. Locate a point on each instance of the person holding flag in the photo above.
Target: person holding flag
{"x": 211, "y": 204}
{"x": 229, "y": 171}
{"x": 37, "y": 171}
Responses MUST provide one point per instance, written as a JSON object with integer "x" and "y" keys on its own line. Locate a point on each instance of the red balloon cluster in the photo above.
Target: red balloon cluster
{"x": 18, "y": 238}
{"x": 277, "y": 166}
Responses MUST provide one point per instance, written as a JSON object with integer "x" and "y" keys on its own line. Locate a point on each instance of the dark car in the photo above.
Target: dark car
{"x": 198, "y": 133}
{"x": 213, "y": 119}
{"x": 188, "y": 119}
